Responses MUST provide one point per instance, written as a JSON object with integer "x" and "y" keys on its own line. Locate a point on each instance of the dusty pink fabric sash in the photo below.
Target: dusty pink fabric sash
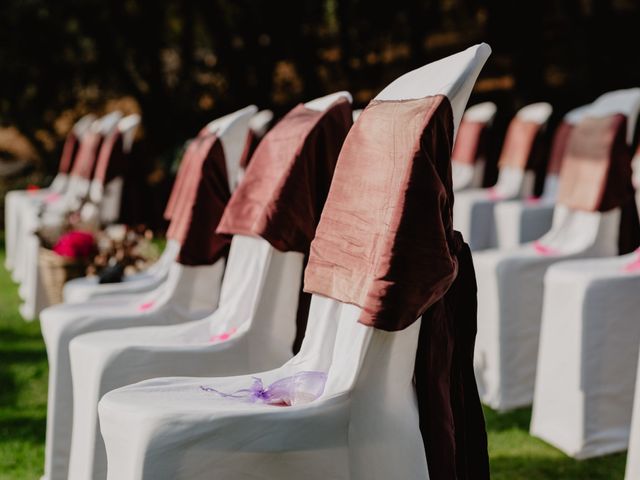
{"x": 205, "y": 192}
{"x": 87, "y": 155}
{"x": 111, "y": 161}
{"x": 69, "y": 152}
{"x": 285, "y": 186}
{"x": 468, "y": 146}
{"x": 385, "y": 240}
{"x": 181, "y": 176}
{"x": 559, "y": 147}
{"x": 518, "y": 148}
{"x": 596, "y": 174}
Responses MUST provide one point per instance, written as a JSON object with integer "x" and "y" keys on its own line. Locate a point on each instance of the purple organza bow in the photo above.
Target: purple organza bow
{"x": 303, "y": 387}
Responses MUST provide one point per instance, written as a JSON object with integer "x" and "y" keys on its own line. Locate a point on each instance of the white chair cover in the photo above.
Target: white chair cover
{"x": 365, "y": 423}
{"x": 473, "y": 210}
{"x": 510, "y": 293}
{"x": 31, "y": 291}
{"x": 588, "y": 356}
{"x": 522, "y": 221}
{"x": 633, "y": 454}
{"x": 258, "y": 307}
{"x": 76, "y": 187}
{"x": 187, "y": 293}
{"x": 14, "y": 199}
{"x": 258, "y": 304}
{"x": 465, "y": 175}
{"x": 86, "y": 288}
{"x": 588, "y": 347}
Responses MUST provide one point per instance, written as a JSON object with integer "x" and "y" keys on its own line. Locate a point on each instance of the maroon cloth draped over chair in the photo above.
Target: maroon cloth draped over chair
{"x": 178, "y": 184}
{"x": 470, "y": 142}
{"x": 69, "y": 152}
{"x": 203, "y": 196}
{"x": 87, "y": 156}
{"x": 558, "y": 147}
{"x": 386, "y": 243}
{"x": 285, "y": 186}
{"x": 596, "y": 174}
{"x": 111, "y": 162}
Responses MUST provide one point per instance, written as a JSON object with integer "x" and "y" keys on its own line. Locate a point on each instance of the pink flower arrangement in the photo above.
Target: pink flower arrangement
{"x": 75, "y": 244}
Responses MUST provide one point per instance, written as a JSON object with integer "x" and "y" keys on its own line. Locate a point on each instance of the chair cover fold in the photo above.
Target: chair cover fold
{"x": 205, "y": 194}
{"x": 285, "y": 209}
{"x": 394, "y": 253}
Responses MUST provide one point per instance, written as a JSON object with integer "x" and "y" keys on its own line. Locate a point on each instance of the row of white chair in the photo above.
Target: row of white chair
{"x": 556, "y": 328}
{"x": 363, "y": 425}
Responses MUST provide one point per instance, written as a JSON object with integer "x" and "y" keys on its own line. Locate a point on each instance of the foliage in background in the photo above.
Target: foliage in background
{"x": 183, "y": 62}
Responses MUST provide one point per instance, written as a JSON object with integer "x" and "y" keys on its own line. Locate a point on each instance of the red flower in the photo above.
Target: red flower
{"x": 75, "y": 244}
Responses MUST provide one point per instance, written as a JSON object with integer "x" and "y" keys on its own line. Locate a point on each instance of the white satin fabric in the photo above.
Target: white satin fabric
{"x": 510, "y": 294}
{"x": 169, "y": 428}
{"x": 187, "y": 294}
{"x": 258, "y": 303}
{"x": 87, "y": 288}
{"x": 474, "y": 209}
{"x": 363, "y": 426}
{"x": 588, "y": 356}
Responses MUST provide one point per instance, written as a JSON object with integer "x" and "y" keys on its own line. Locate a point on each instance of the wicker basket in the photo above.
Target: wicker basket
{"x": 55, "y": 270}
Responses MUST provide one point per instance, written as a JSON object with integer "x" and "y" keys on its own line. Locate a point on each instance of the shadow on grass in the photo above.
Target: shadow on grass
{"x": 515, "y": 419}
{"x": 527, "y": 467}
{"x": 26, "y": 428}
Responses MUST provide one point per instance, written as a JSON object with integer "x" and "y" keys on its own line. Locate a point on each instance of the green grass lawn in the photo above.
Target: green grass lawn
{"x": 23, "y": 395}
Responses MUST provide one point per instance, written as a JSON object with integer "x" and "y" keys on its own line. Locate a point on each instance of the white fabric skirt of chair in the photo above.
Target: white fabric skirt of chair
{"x": 510, "y": 296}
{"x": 87, "y": 288}
{"x": 27, "y": 215}
{"x": 187, "y": 294}
{"x": 255, "y": 323}
{"x": 633, "y": 454}
{"x": 13, "y": 205}
{"x": 473, "y": 209}
{"x": 465, "y": 176}
{"x": 363, "y": 426}
{"x": 522, "y": 221}
{"x": 588, "y": 355}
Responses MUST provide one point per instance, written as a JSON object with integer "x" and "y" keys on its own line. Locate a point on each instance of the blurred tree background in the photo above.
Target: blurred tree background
{"x": 181, "y": 63}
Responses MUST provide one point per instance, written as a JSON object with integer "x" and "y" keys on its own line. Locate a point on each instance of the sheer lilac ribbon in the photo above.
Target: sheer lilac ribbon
{"x": 633, "y": 266}
{"x": 303, "y": 387}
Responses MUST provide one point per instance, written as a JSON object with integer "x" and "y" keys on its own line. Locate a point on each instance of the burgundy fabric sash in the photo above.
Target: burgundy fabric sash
{"x": 87, "y": 155}
{"x": 283, "y": 191}
{"x": 468, "y": 146}
{"x": 518, "y": 148}
{"x": 111, "y": 161}
{"x": 204, "y": 194}
{"x": 384, "y": 239}
{"x": 181, "y": 176}
{"x": 69, "y": 152}
{"x": 386, "y": 243}
{"x": 559, "y": 147}
{"x": 596, "y": 175}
